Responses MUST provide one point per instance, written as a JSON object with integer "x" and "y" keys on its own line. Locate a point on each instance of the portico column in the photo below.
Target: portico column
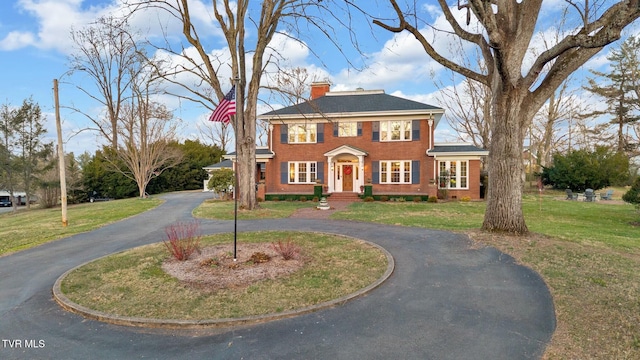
{"x": 331, "y": 175}
{"x": 361, "y": 167}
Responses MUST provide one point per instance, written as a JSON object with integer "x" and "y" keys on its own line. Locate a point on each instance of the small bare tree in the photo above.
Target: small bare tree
{"x": 146, "y": 129}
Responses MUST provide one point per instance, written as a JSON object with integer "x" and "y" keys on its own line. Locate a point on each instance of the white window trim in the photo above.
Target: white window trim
{"x": 458, "y": 176}
{"x": 403, "y": 171}
{"x": 352, "y": 126}
{"x": 310, "y": 129}
{"x": 308, "y": 172}
{"x": 402, "y": 131}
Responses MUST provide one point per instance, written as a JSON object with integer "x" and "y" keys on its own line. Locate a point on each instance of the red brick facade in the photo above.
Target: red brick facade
{"x": 347, "y": 163}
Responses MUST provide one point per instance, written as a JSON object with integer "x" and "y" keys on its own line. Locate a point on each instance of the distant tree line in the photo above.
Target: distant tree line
{"x": 28, "y": 164}
{"x": 99, "y": 175}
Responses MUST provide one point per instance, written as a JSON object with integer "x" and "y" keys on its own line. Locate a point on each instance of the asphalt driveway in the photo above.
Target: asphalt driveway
{"x": 445, "y": 300}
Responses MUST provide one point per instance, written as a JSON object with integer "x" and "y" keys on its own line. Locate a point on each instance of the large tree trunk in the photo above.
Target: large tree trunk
{"x": 245, "y": 128}
{"x": 504, "y": 200}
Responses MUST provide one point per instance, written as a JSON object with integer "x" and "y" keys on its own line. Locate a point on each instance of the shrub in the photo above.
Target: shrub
{"x": 432, "y": 199}
{"x": 632, "y": 196}
{"x": 585, "y": 169}
{"x": 303, "y": 198}
{"x": 315, "y": 199}
{"x": 401, "y": 199}
{"x": 368, "y": 199}
{"x": 183, "y": 239}
{"x": 417, "y": 199}
{"x": 384, "y": 198}
{"x": 465, "y": 198}
{"x": 259, "y": 257}
{"x": 287, "y": 249}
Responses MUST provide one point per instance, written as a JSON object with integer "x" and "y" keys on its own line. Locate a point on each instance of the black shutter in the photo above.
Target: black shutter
{"x": 359, "y": 128}
{"x": 415, "y": 172}
{"x": 320, "y": 132}
{"x": 375, "y": 133}
{"x": 336, "y": 127}
{"x": 284, "y": 173}
{"x": 375, "y": 172}
{"x": 320, "y": 171}
{"x": 284, "y": 134}
{"x": 415, "y": 130}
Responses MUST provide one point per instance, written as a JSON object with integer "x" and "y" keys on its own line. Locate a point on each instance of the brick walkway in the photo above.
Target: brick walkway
{"x": 314, "y": 213}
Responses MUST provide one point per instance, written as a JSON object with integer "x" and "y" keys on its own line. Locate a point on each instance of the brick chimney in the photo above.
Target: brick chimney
{"x": 319, "y": 89}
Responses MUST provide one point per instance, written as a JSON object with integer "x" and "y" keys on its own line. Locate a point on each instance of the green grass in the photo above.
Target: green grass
{"x": 25, "y": 229}
{"x": 132, "y": 283}
{"x": 224, "y": 210}
{"x": 602, "y": 223}
{"x": 445, "y": 216}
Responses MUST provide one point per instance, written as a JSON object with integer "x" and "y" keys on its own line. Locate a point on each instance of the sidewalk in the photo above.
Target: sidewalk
{"x": 317, "y": 214}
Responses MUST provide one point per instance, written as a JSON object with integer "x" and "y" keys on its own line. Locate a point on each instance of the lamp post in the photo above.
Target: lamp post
{"x": 61, "y": 162}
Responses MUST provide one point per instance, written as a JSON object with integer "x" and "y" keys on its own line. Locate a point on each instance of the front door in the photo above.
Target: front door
{"x": 347, "y": 178}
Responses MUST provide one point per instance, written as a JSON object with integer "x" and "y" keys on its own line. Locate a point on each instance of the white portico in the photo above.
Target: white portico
{"x": 346, "y": 169}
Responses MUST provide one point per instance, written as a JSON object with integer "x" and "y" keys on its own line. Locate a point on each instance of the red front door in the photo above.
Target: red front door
{"x": 347, "y": 178}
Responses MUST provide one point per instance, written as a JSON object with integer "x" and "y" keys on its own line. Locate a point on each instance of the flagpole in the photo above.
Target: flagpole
{"x": 235, "y": 188}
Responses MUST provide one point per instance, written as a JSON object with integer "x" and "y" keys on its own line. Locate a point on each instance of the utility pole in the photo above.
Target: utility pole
{"x": 61, "y": 162}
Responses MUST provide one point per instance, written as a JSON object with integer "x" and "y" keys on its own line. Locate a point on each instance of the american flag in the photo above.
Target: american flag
{"x": 226, "y": 107}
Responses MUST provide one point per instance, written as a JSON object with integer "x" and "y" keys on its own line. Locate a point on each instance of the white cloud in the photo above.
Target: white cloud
{"x": 16, "y": 40}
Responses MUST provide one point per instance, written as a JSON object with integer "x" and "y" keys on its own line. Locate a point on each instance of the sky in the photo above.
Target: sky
{"x": 35, "y": 46}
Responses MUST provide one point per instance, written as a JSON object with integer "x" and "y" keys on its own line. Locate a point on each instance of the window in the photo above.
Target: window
{"x": 302, "y": 172}
{"x": 347, "y": 129}
{"x": 395, "y": 130}
{"x": 302, "y": 133}
{"x": 395, "y": 172}
{"x": 454, "y": 175}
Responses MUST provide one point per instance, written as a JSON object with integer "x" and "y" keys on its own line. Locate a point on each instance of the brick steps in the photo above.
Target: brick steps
{"x": 343, "y": 196}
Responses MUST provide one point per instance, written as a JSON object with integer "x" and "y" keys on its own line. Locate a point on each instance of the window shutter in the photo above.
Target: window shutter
{"x": 284, "y": 134}
{"x": 415, "y": 130}
{"x": 336, "y": 126}
{"x": 320, "y": 132}
{"x": 359, "y": 128}
{"x": 415, "y": 172}
{"x": 375, "y": 172}
{"x": 284, "y": 176}
{"x": 375, "y": 133}
{"x": 320, "y": 171}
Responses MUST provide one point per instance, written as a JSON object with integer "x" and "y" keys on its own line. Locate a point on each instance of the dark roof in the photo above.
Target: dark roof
{"x": 259, "y": 151}
{"x": 456, "y": 148}
{"x": 220, "y": 165}
{"x": 352, "y": 102}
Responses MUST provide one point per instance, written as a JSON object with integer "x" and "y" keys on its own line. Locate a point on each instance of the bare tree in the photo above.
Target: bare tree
{"x": 9, "y": 121}
{"x": 558, "y": 119}
{"x": 107, "y": 51}
{"x": 32, "y": 152}
{"x": 218, "y": 133}
{"x": 145, "y": 131}
{"x": 503, "y": 35}
{"x": 468, "y": 106}
{"x": 247, "y": 59}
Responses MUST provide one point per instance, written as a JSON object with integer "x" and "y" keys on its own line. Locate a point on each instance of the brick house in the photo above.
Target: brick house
{"x": 346, "y": 140}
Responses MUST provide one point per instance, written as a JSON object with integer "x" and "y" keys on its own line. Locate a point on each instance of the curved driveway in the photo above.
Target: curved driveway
{"x": 445, "y": 300}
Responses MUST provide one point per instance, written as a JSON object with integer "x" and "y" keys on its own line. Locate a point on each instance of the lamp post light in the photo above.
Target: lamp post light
{"x": 61, "y": 162}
